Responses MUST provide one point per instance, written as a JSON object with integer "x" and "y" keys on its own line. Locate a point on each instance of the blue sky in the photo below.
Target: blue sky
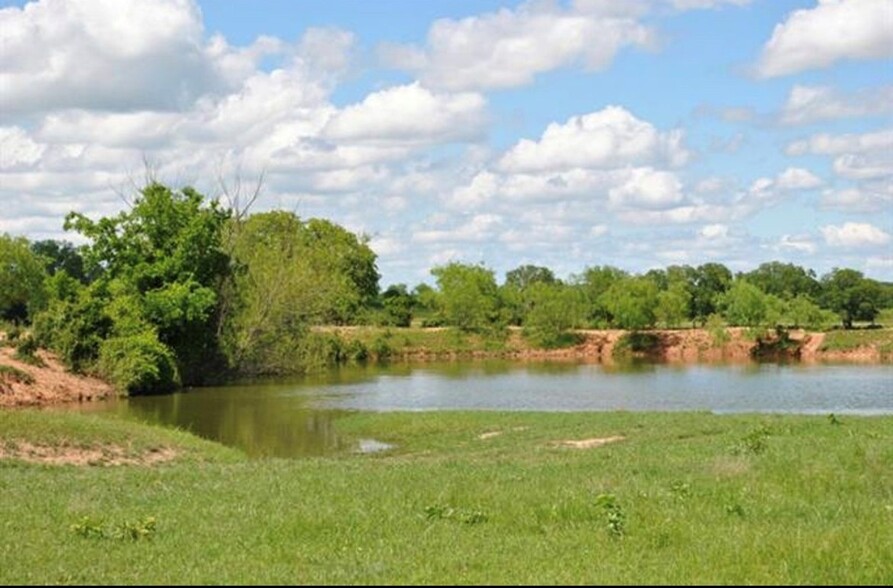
{"x": 568, "y": 134}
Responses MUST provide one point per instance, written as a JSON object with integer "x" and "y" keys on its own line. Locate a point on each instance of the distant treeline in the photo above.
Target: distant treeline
{"x": 179, "y": 290}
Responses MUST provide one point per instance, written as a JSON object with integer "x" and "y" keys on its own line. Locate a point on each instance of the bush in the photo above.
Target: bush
{"x": 138, "y": 364}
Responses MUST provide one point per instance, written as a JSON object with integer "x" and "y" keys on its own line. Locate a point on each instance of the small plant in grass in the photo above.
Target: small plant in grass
{"x": 88, "y": 528}
{"x": 615, "y": 517}
{"x": 754, "y": 442}
{"x": 138, "y": 530}
{"x": 680, "y": 489}
{"x": 735, "y": 509}
{"x": 459, "y": 515}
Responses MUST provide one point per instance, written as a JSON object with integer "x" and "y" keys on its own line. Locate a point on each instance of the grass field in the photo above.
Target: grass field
{"x": 465, "y": 498}
{"x": 850, "y": 340}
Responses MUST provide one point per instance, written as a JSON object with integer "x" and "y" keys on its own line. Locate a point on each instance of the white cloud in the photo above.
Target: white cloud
{"x": 714, "y": 232}
{"x": 507, "y": 48}
{"x": 826, "y": 144}
{"x": 18, "y": 149}
{"x": 852, "y": 235}
{"x": 103, "y": 54}
{"x": 410, "y": 114}
{"x": 867, "y": 197}
{"x": 797, "y": 178}
{"x": 807, "y": 104}
{"x": 478, "y": 228}
{"x": 864, "y": 166}
{"x": 832, "y": 31}
{"x": 610, "y": 137}
{"x": 799, "y": 243}
{"x": 647, "y": 188}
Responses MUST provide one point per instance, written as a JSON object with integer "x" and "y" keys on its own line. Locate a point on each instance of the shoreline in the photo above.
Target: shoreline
{"x": 51, "y": 384}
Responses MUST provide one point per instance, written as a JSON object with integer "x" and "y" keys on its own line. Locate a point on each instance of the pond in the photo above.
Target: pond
{"x": 296, "y": 417}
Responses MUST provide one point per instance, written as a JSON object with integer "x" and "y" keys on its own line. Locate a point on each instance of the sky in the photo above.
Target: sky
{"x": 569, "y": 134}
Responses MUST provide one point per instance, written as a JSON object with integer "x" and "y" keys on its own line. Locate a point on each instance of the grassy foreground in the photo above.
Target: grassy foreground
{"x": 464, "y": 498}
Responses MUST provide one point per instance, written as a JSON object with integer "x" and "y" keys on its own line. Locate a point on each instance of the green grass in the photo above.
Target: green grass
{"x": 686, "y": 498}
{"x": 440, "y": 341}
{"x": 844, "y": 340}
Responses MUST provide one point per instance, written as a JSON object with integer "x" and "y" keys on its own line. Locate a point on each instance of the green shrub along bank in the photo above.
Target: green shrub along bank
{"x": 177, "y": 290}
{"x": 462, "y": 498}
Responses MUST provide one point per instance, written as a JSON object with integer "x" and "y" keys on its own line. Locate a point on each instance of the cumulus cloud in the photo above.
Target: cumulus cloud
{"x": 866, "y": 197}
{"x": 832, "y": 31}
{"x": 827, "y": 144}
{"x": 797, "y": 178}
{"x": 854, "y": 235}
{"x": 408, "y": 114}
{"x": 647, "y": 188}
{"x": 808, "y": 104}
{"x": 607, "y": 138}
{"x": 478, "y": 228}
{"x": 509, "y": 47}
{"x": 111, "y": 55}
{"x": 798, "y": 243}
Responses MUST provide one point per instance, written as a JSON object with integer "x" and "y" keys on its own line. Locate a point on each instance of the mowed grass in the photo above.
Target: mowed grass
{"x": 685, "y": 498}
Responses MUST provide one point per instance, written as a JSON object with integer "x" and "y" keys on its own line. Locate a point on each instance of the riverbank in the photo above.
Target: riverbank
{"x": 44, "y": 380}
{"x": 463, "y": 498}
{"x": 605, "y": 346}
{"x": 47, "y": 382}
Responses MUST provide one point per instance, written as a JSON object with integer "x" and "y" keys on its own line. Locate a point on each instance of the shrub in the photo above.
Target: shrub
{"x": 138, "y": 364}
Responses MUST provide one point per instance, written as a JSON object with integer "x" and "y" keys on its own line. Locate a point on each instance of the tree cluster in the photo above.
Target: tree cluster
{"x": 178, "y": 290}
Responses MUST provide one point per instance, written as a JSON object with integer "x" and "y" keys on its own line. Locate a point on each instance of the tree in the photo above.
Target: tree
{"x": 673, "y": 305}
{"x": 525, "y": 276}
{"x": 516, "y": 291}
{"x": 61, "y": 256}
{"x": 631, "y": 303}
{"x": 852, "y": 296}
{"x": 469, "y": 296}
{"x": 292, "y": 275}
{"x": 744, "y": 304}
{"x": 803, "y": 312}
{"x": 398, "y": 304}
{"x": 595, "y": 282}
{"x": 784, "y": 280}
{"x": 554, "y": 309}
{"x": 711, "y": 280}
{"x": 22, "y": 276}
{"x": 160, "y": 268}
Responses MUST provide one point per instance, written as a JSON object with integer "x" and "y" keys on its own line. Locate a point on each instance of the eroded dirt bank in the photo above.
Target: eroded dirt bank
{"x": 24, "y": 384}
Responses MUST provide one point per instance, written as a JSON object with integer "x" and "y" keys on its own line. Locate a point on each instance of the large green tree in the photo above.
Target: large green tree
{"x": 469, "y": 296}
{"x": 554, "y": 309}
{"x": 711, "y": 280}
{"x": 160, "y": 267}
{"x": 594, "y": 282}
{"x": 784, "y": 280}
{"x": 22, "y": 276}
{"x": 851, "y": 295}
{"x": 631, "y": 303}
{"x": 292, "y": 274}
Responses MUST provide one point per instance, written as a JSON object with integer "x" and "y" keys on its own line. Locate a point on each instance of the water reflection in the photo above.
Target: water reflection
{"x": 298, "y": 417}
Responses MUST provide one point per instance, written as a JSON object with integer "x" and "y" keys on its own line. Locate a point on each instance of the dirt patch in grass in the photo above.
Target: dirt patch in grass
{"x": 588, "y": 443}
{"x": 49, "y": 383}
{"x": 99, "y": 455}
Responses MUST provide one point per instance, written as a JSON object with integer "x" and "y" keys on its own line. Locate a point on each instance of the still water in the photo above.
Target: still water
{"x": 290, "y": 418}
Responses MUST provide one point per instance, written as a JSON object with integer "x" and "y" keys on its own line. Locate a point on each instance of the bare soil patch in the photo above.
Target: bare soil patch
{"x": 97, "y": 455}
{"x": 588, "y": 443}
{"x": 52, "y": 383}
